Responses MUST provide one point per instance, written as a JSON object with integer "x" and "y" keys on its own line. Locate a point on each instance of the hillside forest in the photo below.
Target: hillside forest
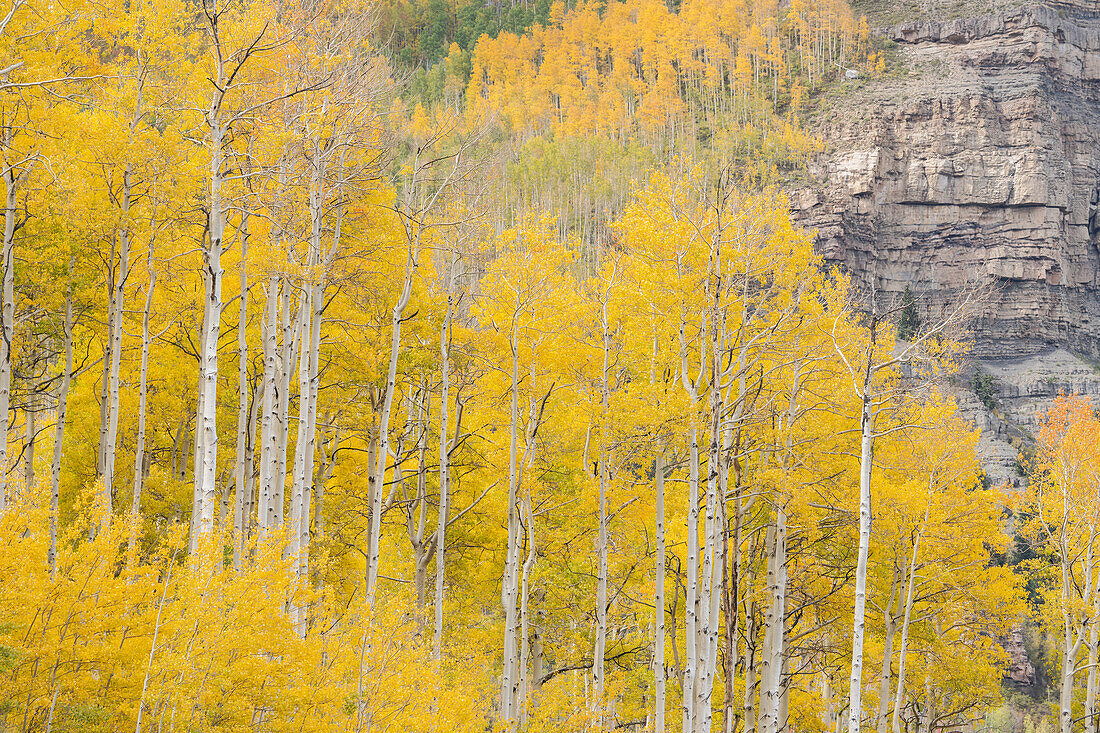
{"x": 423, "y": 366}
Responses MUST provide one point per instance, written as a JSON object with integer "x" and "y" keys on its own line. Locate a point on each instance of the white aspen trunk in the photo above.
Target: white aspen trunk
{"x": 601, "y": 596}
{"x": 270, "y": 416}
{"x": 206, "y": 425}
{"x": 855, "y": 687}
{"x": 659, "y": 598}
{"x": 1073, "y": 635}
{"x": 240, "y": 523}
{"x": 299, "y": 479}
{"x": 7, "y": 322}
{"x": 710, "y": 601}
{"x": 528, "y": 567}
{"x": 508, "y": 584}
{"x": 750, "y": 666}
{"x": 1065, "y": 696}
{"x": 384, "y": 423}
{"x": 1093, "y": 648}
{"x": 734, "y": 594}
{"x": 143, "y": 381}
{"x": 882, "y": 719}
{"x": 118, "y": 299}
{"x": 59, "y": 432}
{"x": 317, "y": 304}
{"x": 250, "y": 516}
{"x": 779, "y": 598}
{"x": 785, "y": 688}
{"x": 444, "y": 465}
{"x": 196, "y": 449}
{"x": 104, "y": 394}
{"x": 899, "y": 694}
{"x": 291, "y": 334}
{"x": 308, "y": 386}
{"x": 769, "y": 696}
{"x": 601, "y": 573}
{"x": 691, "y": 607}
{"x": 713, "y": 570}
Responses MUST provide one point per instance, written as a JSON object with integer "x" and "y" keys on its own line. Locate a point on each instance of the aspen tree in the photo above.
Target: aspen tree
{"x": 1068, "y": 522}
{"x": 899, "y": 693}
{"x": 298, "y": 541}
{"x": 14, "y": 173}
{"x": 605, "y": 448}
{"x": 444, "y": 456}
{"x": 115, "y": 326}
{"x": 866, "y": 378}
{"x": 509, "y": 678}
{"x": 292, "y": 333}
{"x": 240, "y": 521}
{"x": 143, "y": 381}
{"x": 414, "y": 222}
{"x": 269, "y": 413}
{"x": 59, "y": 431}
{"x": 692, "y": 606}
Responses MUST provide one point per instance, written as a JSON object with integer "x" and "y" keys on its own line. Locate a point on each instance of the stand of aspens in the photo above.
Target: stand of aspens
{"x": 349, "y": 434}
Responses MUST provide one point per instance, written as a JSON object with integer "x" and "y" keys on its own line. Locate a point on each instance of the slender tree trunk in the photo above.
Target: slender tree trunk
{"x": 1093, "y": 583}
{"x": 291, "y": 334}
{"x": 239, "y": 519}
{"x": 855, "y": 687}
{"x": 691, "y": 608}
{"x": 298, "y": 477}
{"x": 710, "y": 602}
{"x": 118, "y": 299}
{"x": 528, "y": 567}
{"x": 302, "y": 479}
{"x": 105, "y": 380}
{"x": 750, "y": 665}
{"x": 899, "y": 694}
{"x": 444, "y": 464}
{"x": 143, "y": 381}
{"x": 206, "y": 423}
{"x": 384, "y": 424}
{"x": 890, "y": 621}
{"x": 1065, "y": 696}
{"x": 196, "y": 453}
{"x": 509, "y": 590}
{"x": 59, "y": 432}
{"x": 601, "y": 576}
{"x": 269, "y": 437}
{"x": 7, "y": 320}
{"x": 769, "y": 707}
{"x": 659, "y": 597}
{"x": 251, "y": 515}
{"x": 1093, "y": 648}
{"x": 317, "y": 304}
{"x": 1073, "y": 636}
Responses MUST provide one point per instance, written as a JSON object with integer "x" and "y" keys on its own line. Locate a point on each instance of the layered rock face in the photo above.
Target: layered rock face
{"x": 980, "y": 160}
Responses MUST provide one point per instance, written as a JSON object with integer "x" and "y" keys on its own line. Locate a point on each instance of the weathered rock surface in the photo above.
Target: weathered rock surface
{"x": 1020, "y": 672}
{"x": 981, "y": 160}
{"x": 1024, "y": 387}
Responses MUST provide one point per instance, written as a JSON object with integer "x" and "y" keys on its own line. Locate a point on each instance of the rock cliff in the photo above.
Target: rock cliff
{"x": 979, "y": 158}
